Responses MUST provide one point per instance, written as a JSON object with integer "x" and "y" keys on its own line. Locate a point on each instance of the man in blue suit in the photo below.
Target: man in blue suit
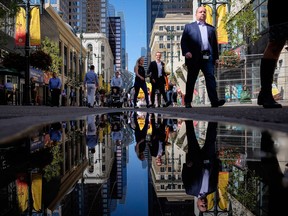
{"x": 200, "y": 47}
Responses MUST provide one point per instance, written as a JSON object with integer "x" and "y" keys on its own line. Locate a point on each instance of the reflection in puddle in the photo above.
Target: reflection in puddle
{"x": 138, "y": 163}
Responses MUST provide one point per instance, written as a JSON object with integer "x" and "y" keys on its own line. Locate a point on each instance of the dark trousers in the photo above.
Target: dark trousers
{"x": 207, "y": 67}
{"x": 33, "y": 96}
{"x": 55, "y": 96}
{"x": 137, "y": 87}
{"x": 161, "y": 87}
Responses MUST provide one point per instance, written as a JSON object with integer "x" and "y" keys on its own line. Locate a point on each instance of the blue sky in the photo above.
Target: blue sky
{"x": 135, "y": 22}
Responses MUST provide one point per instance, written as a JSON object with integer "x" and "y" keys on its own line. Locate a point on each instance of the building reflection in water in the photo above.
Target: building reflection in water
{"x": 84, "y": 167}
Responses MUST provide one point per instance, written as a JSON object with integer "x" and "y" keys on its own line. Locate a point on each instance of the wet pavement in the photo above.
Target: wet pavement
{"x": 16, "y": 120}
{"x": 138, "y": 163}
{"x": 130, "y": 162}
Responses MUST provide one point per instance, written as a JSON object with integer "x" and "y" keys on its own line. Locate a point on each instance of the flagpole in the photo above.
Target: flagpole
{"x": 27, "y": 99}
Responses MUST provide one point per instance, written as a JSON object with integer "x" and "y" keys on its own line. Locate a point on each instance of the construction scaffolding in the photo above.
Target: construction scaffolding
{"x": 239, "y": 82}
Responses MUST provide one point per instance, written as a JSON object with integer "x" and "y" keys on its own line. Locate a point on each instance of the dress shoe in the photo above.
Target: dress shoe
{"x": 267, "y": 101}
{"x": 219, "y": 103}
{"x": 149, "y": 105}
{"x": 188, "y": 106}
{"x": 136, "y": 107}
{"x": 168, "y": 104}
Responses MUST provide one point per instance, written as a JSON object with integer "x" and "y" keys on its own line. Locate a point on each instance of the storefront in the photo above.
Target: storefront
{"x": 14, "y": 77}
{"x": 38, "y": 76}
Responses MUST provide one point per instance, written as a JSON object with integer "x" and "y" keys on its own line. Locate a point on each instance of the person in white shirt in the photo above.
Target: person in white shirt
{"x": 117, "y": 80}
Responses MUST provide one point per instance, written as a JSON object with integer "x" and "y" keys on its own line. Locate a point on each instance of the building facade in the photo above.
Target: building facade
{"x": 165, "y": 38}
{"x": 159, "y": 8}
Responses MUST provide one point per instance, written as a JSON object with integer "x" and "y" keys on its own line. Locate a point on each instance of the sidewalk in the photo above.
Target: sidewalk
{"x": 16, "y": 120}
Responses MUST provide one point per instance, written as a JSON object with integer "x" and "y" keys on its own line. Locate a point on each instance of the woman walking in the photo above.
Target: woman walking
{"x": 140, "y": 82}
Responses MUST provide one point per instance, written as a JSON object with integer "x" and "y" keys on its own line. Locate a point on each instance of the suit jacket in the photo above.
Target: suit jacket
{"x": 158, "y": 134}
{"x": 153, "y": 70}
{"x": 191, "y": 42}
{"x": 192, "y": 176}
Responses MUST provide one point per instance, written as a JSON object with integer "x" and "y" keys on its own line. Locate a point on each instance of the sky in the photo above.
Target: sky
{"x": 135, "y": 23}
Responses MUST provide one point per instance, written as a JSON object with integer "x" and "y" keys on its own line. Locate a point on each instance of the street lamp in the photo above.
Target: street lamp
{"x": 80, "y": 63}
{"x": 98, "y": 57}
{"x": 27, "y": 98}
{"x": 214, "y": 7}
{"x": 214, "y": 15}
{"x": 171, "y": 32}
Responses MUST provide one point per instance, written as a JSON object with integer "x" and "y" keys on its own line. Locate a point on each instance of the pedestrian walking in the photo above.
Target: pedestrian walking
{"x": 200, "y": 47}
{"x": 140, "y": 82}
{"x": 116, "y": 80}
{"x": 278, "y": 34}
{"x": 55, "y": 85}
{"x": 33, "y": 90}
{"x": 91, "y": 84}
{"x": 158, "y": 79}
{"x": 72, "y": 96}
{"x": 64, "y": 97}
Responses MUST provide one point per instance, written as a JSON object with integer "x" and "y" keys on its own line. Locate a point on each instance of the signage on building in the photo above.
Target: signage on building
{"x": 37, "y": 74}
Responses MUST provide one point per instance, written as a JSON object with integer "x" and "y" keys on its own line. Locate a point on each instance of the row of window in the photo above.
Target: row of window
{"x": 171, "y": 28}
{"x": 168, "y": 37}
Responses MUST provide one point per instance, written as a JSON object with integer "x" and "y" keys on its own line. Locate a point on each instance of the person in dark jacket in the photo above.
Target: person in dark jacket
{"x": 140, "y": 82}
{"x": 278, "y": 35}
{"x": 158, "y": 78}
{"x": 200, "y": 47}
{"x": 200, "y": 172}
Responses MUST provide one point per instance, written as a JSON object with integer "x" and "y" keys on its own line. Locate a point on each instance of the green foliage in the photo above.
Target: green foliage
{"x": 8, "y": 10}
{"x": 40, "y": 59}
{"x": 244, "y": 185}
{"x": 53, "y": 169}
{"x": 14, "y": 60}
{"x": 229, "y": 59}
{"x": 50, "y": 47}
{"x": 242, "y": 27}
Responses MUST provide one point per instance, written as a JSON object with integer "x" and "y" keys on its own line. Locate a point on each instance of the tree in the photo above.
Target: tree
{"x": 15, "y": 61}
{"x": 229, "y": 59}
{"x": 241, "y": 27}
{"x": 8, "y": 10}
{"x": 45, "y": 58}
{"x": 41, "y": 60}
{"x": 50, "y": 47}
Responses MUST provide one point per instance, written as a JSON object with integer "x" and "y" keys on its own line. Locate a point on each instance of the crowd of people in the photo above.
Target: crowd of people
{"x": 199, "y": 46}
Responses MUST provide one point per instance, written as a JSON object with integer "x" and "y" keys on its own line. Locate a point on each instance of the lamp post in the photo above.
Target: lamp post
{"x": 27, "y": 98}
{"x": 214, "y": 4}
{"x": 214, "y": 7}
{"x": 80, "y": 63}
{"x": 98, "y": 57}
{"x": 171, "y": 34}
{"x": 26, "y": 95}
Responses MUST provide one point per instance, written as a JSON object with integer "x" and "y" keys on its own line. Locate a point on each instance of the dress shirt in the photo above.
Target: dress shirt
{"x": 160, "y": 149}
{"x": 159, "y": 66}
{"x": 205, "y": 183}
{"x": 9, "y": 86}
{"x": 204, "y": 35}
{"x": 54, "y": 83}
{"x": 117, "y": 81}
{"x": 91, "y": 78}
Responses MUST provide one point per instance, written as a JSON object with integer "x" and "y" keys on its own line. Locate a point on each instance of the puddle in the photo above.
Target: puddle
{"x": 136, "y": 163}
